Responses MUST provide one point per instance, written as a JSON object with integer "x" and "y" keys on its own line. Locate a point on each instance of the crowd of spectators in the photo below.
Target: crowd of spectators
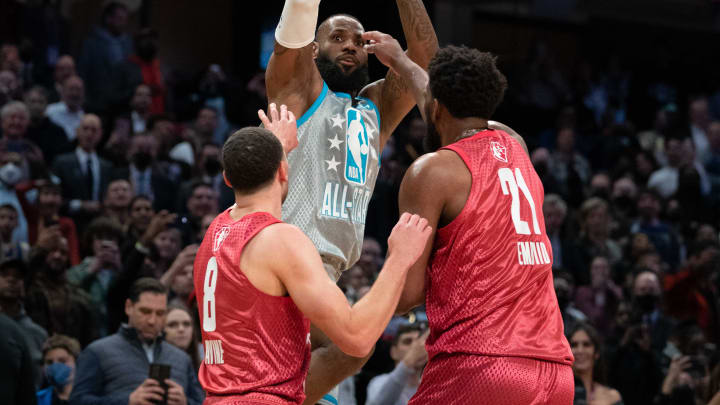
{"x": 110, "y": 174}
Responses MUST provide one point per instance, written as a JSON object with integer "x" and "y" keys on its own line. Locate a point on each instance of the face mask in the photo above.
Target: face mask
{"x": 212, "y": 167}
{"x": 142, "y": 160}
{"x": 10, "y": 174}
{"x": 58, "y": 375}
{"x": 646, "y": 303}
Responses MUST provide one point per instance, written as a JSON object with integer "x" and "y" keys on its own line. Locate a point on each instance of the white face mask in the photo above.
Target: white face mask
{"x": 10, "y": 174}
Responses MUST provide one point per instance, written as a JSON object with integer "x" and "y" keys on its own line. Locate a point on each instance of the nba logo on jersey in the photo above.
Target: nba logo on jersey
{"x": 357, "y": 147}
{"x": 220, "y": 236}
{"x": 499, "y": 151}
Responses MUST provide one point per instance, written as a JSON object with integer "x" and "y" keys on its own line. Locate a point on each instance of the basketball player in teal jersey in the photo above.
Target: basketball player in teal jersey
{"x": 343, "y": 123}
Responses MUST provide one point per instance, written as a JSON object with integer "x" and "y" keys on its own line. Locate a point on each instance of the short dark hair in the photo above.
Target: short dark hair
{"x": 104, "y": 228}
{"x": 323, "y": 26}
{"x": 411, "y": 327}
{"x": 71, "y": 345}
{"x": 154, "y": 119}
{"x": 143, "y": 285}
{"x": 16, "y": 264}
{"x": 251, "y": 157}
{"x": 466, "y": 81}
{"x": 138, "y": 198}
{"x": 8, "y": 206}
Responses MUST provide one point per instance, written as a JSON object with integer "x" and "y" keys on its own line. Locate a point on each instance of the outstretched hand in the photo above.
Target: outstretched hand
{"x": 282, "y": 124}
{"x": 386, "y": 48}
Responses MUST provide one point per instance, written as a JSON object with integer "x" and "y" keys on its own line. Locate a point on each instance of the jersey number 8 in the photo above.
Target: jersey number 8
{"x": 209, "y": 285}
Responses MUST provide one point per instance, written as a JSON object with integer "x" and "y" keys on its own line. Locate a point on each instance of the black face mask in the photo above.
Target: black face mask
{"x": 212, "y": 167}
{"x": 646, "y": 303}
{"x": 339, "y": 81}
{"x": 142, "y": 160}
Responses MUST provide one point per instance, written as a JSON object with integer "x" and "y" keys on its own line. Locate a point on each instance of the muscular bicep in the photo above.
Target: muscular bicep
{"x": 419, "y": 195}
{"x": 292, "y": 78}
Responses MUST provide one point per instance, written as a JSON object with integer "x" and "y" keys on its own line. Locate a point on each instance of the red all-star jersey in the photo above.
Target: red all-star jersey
{"x": 257, "y": 346}
{"x": 489, "y": 284}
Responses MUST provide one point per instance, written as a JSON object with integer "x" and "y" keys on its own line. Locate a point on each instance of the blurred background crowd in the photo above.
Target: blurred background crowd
{"x": 110, "y": 174}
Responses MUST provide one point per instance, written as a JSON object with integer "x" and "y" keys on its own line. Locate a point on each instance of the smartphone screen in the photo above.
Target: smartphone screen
{"x": 159, "y": 373}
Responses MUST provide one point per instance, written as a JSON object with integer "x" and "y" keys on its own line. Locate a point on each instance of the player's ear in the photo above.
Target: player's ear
{"x": 435, "y": 108}
{"x": 315, "y": 48}
{"x": 283, "y": 171}
{"x": 227, "y": 182}
{"x": 128, "y": 306}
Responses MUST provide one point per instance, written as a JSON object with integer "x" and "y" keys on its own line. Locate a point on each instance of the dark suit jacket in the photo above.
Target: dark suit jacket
{"x": 164, "y": 189}
{"x": 67, "y": 168}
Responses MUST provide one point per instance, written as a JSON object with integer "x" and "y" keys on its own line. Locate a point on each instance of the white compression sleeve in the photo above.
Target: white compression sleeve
{"x": 296, "y": 28}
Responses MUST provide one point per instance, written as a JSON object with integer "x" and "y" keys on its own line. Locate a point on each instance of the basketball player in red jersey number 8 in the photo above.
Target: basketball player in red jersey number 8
{"x": 496, "y": 333}
{"x": 260, "y": 282}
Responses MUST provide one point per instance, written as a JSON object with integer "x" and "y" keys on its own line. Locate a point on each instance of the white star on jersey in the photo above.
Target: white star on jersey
{"x": 371, "y": 133}
{"x": 335, "y": 142}
{"x": 332, "y": 164}
{"x": 337, "y": 121}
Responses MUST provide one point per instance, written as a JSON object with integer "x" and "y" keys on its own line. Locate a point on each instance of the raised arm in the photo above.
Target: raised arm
{"x": 353, "y": 329}
{"x": 291, "y": 77}
{"x": 394, "y": 93}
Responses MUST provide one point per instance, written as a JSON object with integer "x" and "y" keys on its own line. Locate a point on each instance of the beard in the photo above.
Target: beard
{"x": 339, "y": 81}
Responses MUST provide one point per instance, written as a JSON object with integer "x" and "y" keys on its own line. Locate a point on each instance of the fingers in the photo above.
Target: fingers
{"x": 376, "y": 36}
{"x": 414, "y": 219}
{"x": 291, "y": 116}
{"x": 172, "y": 384}
{"x": 283, "y": 112}
{"x": 274, "y": 112}
{"x": 370, "y": 48}
{"x": 404, "y": 218}
{"x": 264, "y": 118}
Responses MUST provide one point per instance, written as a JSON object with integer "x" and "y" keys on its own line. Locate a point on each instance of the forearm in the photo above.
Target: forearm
{"x": 365, "y": 324}
{"x": 419, "y": 33}
{"x": 414, "y": 75}
{"x": 329, "y": 366}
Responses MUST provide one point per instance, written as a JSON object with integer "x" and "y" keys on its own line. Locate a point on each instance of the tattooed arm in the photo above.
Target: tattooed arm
{"x": 394, "y": 94}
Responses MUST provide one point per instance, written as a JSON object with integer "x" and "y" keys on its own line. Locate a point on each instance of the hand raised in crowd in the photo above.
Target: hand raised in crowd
{"x": 148, "y": 393}
{"x": 158, "y": 223}
{"x": 185, "y": 258}
{"x": 107, "y": 257}
{"x": 417, "y": 356}
{"x": 281, "y": 124}
{"x": 678, "y": 365}
{"x": 176, "y": 393}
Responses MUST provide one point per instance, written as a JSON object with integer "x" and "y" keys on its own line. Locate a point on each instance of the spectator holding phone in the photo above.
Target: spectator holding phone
{"x": 41, "y": 201}
{"x": 97, "y": 272}
{"x": 114, "y": 370}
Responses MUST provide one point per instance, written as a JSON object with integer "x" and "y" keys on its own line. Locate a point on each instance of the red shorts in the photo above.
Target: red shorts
{"x": 246, "y": 399}
{"x": 473, "y": 379}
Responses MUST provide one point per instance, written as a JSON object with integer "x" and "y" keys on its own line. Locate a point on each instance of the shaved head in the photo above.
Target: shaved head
{"x": 324, "y": 27}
